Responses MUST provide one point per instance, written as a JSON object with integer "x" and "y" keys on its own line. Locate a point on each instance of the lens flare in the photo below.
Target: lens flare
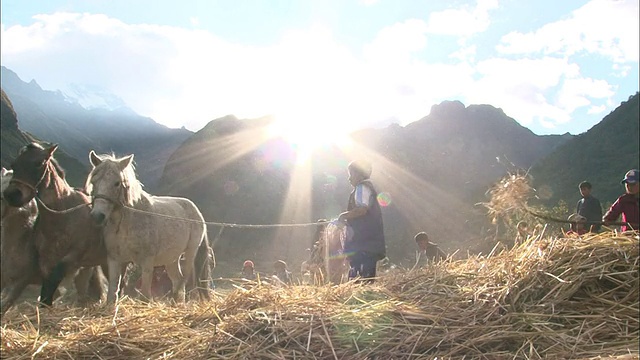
{"x": 384, "y": 199}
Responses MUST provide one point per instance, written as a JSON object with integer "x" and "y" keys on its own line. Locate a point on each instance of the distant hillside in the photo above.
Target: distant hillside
{"x": 463, "y": 149}
{"x": 13, "y": 139}
{"x": 601, "y": 156}
{"x": 432, "y": 172}
{"x": 49, "y": 115}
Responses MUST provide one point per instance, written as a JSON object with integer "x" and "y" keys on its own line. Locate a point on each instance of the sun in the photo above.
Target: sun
{"x": 308, "y": 134}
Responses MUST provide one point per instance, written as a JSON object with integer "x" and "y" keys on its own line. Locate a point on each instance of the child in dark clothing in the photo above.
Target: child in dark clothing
{"x": 427, "y": 249}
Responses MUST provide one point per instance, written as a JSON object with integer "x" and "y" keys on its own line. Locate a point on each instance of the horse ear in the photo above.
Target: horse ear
{"x": 125, "y": 162}
{"x": 4, "y": 171}
{"x": 94, "y": 159}
{"x": 52, "y": 149}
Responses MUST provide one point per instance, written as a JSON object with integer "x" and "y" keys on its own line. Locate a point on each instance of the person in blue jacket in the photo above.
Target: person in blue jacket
{"x": 365, "y": 243}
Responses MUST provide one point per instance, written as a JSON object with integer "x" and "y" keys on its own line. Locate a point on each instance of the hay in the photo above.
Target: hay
{"x": 573, "y": 298}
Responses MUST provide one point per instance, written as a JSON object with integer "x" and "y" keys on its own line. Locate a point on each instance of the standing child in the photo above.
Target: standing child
{"x": 589, "y": 207}
{"x": 627, "y": 204}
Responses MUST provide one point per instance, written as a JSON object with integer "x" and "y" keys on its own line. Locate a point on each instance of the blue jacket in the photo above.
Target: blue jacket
{"x": 368, "y": 231}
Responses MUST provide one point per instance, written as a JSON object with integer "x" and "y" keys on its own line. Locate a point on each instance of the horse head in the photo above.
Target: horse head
{"x": 29, "y": 171}
{"x": 109, "y": 184}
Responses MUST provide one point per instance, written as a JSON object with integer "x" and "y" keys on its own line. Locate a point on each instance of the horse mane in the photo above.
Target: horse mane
{"x": 133, "y": 187}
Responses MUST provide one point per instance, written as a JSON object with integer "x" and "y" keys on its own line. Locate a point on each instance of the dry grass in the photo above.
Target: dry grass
{"x": 573, "y": 298}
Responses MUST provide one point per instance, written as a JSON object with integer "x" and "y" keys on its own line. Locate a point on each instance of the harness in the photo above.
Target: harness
{"x": 33, "y": 188}
{"x": 117, "y": 202}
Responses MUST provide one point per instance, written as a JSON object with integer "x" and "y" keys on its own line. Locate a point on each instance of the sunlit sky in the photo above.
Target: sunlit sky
{"x": 554, "y": 66}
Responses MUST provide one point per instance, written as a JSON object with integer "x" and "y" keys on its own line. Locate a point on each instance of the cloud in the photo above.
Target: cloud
{"x": 596, "y": 109}
{"x": 395, "y": 44}
{"x": 605, "y": 27}
{"x": 463, "y": 22}
{"x": 524, "y": 88}
{"x": 189, "y": 76}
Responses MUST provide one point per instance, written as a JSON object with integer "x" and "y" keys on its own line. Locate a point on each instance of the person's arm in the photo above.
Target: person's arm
{"x": 613, "y": 213}
{"x": 362, "y": 199}
{"x": 353, "y": 213}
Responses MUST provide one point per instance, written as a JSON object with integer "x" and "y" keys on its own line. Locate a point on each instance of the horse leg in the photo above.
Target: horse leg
{"x": 187, "y": 270}
{"x": 115, "y": 277}
{"x": 147, "y": 277}
{"x": 174, "y": 274}
{"x": 50, "y": 284}
{"x": 88, "y": 284}
{"x": 125, "y": 277}
{"x": 96, "y": 288}
{"x": 13, "y": 293}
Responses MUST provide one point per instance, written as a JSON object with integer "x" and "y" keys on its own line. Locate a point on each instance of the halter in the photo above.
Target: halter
{"x": 117, "y": 202}
{"x": 33, "y": 188}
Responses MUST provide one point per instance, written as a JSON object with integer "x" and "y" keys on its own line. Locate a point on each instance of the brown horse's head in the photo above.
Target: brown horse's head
{"x": 29, "y": 170}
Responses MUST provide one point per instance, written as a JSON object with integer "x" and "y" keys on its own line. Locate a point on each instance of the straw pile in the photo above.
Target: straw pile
{"x": 574, "y": 298}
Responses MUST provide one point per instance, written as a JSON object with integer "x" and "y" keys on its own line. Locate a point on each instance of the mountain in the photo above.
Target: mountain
{"x": 92, "y": 97}
{"x": 431, "y": 174}
{"x": 601, "y": 156}
{"x": 463, "y": 149}
{"x": 52, "y": 116}
{"x": 13, "y": 139}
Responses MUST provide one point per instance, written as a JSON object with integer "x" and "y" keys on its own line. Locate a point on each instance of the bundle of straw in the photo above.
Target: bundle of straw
{"x": 574, "y": 298}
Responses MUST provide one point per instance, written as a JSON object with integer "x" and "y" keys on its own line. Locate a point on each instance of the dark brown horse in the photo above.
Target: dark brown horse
{"x": 65, "y": 236}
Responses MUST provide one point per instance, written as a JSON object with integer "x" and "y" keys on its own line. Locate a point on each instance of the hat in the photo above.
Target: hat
{"x": 577, "y": 218}
{"x": 248, "y": 263}
{"x": 631, "y": 177}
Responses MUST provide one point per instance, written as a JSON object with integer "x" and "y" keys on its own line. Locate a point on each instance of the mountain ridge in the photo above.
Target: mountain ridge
{"x": 49, "y": 115}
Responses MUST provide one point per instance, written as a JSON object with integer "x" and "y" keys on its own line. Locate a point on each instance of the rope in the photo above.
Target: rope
{"x": 231, "y": 225}
{"x": 552, "y": 219}
{"x": 59, "y": 211}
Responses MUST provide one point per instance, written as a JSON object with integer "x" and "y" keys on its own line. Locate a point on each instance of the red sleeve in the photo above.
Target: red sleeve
{"x": 614, "y": 211}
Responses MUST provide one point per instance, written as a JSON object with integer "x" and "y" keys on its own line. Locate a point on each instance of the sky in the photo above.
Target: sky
{"x": 553, "y": 66}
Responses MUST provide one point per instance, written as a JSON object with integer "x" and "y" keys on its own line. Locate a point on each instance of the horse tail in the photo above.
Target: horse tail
{"x": 204, "y": 263}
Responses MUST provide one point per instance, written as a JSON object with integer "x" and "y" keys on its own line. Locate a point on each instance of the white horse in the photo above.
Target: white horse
{"x": 145, "y": 229}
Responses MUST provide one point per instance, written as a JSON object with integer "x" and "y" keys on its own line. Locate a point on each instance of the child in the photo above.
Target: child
{"x": 427, "y": 249}
{"x": 577, "y": 225}
{"x": 281, "y": 273}
{"x": 248, "y": 271}
{"x": 627, "y": 204}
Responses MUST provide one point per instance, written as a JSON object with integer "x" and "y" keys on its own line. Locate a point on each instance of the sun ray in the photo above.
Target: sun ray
{"x": 425, "y": 206}
{"x": 214, "y": 154}
{"x": 296, "y": 209}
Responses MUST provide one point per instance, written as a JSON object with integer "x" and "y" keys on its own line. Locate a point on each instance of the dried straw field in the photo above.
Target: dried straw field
{"x": 547, "y": 298}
